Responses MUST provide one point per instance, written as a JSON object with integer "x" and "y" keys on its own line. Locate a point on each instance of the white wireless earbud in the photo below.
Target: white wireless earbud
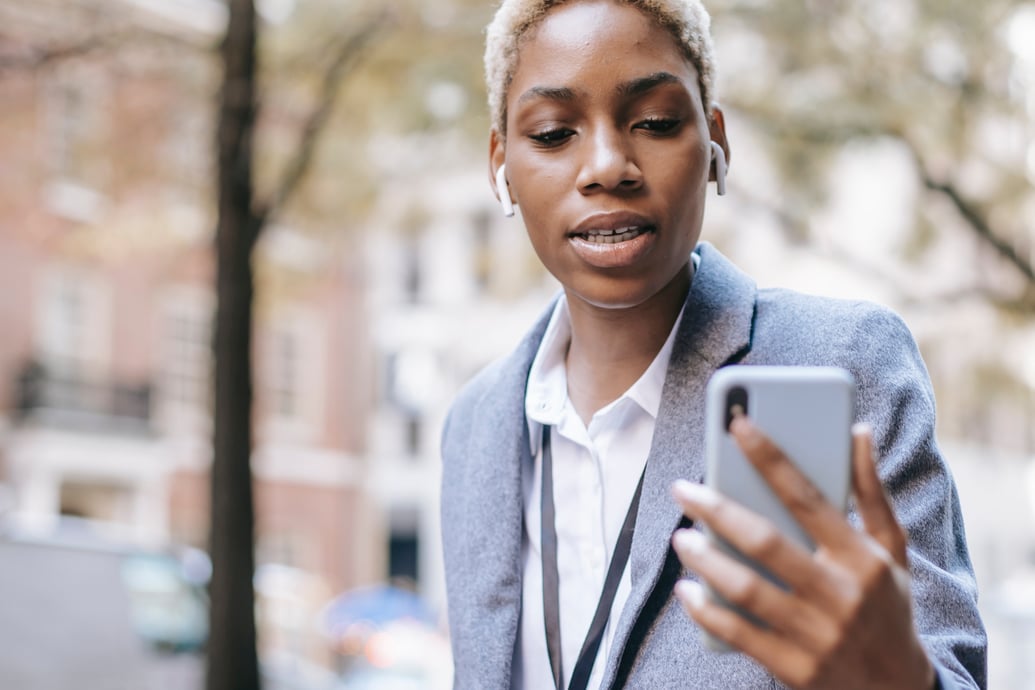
{"x": 504, "y": 191}
{"x": 719, "y": 156}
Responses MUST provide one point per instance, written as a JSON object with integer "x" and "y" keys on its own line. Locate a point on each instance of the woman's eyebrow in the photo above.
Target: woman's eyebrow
{"x": 641, "y": 85}
{"x": 553, "y": 93}
{"x": 631, "y": 88}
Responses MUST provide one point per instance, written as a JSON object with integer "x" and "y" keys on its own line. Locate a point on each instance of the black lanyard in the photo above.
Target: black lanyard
{"x": 551, "y": 595}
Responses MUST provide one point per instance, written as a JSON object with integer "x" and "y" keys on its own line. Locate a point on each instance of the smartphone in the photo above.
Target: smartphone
{"x": 808, "y": 412}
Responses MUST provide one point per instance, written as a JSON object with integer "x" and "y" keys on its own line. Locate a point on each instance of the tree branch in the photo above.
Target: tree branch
{"x": 349, "y": 51}
{"x": 36, "y": 57}
{"x": 971, "y": 214}
{"x": 827, "y": 133}
{"x": 978, "y": 223}
{"x": 787, "y": 222}
{"x": 28, "y": 57}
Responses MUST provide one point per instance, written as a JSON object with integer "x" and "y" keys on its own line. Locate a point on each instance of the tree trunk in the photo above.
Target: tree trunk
{"x": 232, "y": 657}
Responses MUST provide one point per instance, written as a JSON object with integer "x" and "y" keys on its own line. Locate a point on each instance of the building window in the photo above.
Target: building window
{"x": 186, "y": 366}
{"x": 187, "y": 145}
{"x": 185, "y": 349}
{"x": 65, "y": 321}
{"x": 286, "y": 547}
{"x": 404, "y": 545}
{"x": 413, "y": 436}
{"x": 285, "y": 379}
{"x": 73, "y": 324}
{"x": 414, "y": 379}
{"x": 76, "y": 125}
{"x": 96, "y": 501}
{"x": 412, "y": 271}
{"x": 76, "y": 122}
{"x": 293, "y": 377}
{"x": 403, "y": 550}
{"x": 71, "y": 130}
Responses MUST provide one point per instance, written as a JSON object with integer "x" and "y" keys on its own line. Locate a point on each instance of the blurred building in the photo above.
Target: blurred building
{"x": 107, "y": 304}
{"x": 452, "y": 286}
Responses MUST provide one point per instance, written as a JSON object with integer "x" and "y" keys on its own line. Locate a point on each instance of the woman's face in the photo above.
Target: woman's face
{"x": 607, "y": 151}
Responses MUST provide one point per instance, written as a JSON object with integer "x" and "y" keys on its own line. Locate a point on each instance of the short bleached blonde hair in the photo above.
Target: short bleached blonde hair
{"x": 687, "y": 20}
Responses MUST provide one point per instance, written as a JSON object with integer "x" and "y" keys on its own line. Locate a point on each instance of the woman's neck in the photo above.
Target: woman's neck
{"x": 611, "y": 348}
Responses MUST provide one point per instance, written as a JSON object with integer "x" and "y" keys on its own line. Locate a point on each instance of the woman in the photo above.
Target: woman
{"x": 604, "y": 134}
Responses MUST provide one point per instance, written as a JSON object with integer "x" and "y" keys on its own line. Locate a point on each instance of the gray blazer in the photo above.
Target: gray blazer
{"x": 485, "y": 451}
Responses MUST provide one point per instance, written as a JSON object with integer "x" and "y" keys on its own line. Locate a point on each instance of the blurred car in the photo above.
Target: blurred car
{"x": 367, "y": 609}
{"x": 404, "y": 654}
{"x": 81, "y": 609}
{"x": 169, "y": 609}
{"x": 281, "y": 671}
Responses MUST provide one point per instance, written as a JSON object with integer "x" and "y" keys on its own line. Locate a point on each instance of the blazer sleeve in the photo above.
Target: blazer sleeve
{"x": 896, "y": 398}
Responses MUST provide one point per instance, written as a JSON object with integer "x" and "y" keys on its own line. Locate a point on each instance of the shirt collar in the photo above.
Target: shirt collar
{"x": 547, "y": 393}
{"x": 547, "y": 389}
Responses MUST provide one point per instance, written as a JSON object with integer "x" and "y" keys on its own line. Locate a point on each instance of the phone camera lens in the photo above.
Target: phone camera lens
{"x": 737, "y": 397}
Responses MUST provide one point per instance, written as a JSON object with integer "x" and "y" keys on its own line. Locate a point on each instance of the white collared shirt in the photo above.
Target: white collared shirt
{"x": 596, "y": 470}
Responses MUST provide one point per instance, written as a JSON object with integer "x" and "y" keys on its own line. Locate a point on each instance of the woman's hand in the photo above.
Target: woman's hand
{"x": 846, "y": 620}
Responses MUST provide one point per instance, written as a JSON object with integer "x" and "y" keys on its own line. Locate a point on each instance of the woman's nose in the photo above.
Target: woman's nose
{"x": 607, "y": 163}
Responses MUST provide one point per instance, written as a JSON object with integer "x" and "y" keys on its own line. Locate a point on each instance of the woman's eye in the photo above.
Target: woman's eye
{"x": 658, "y": 125}
{"x": 551, "y": 137}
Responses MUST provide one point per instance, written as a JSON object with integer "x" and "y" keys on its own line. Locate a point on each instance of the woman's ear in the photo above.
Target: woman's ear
{"x": 717, "y": 131}
{"x": 497, "y": 156}
{"x": 497, "y": 173}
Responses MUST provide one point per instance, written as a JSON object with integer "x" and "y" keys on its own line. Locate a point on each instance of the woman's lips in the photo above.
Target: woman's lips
{"x": 613, "y": 248}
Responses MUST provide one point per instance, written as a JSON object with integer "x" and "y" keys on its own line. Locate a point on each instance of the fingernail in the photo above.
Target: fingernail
{"x": 861, "y": 428}
{"x": 690, "y": 540}
{"x": 691, "y": 593}
{"x": 694, "y": 493}
{"x": 741, "y": 424}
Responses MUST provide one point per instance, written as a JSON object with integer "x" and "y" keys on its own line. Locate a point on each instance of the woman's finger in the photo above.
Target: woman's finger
{"x": 870, "y": 498}
{"x": 784, "y": 659}
{"x": 756, "y": 538}
{"x": 749, "y": 593}
{"x": 822, "y": 521}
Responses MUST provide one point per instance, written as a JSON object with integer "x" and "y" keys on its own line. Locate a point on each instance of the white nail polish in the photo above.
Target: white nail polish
{"x": 695, "y": 493}
{"x": 690, "y": 540}
{"x": 690, "y": 592}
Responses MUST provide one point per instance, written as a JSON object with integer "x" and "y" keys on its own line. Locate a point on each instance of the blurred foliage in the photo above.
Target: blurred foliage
{"x": 946, "y": 83}
{"x": 419, "y": 76}
{"x": 940, "y": 81}
{"x": 942, "y": 78}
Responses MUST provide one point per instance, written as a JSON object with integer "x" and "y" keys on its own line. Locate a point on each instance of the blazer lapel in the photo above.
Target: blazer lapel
{"x": 716, "y": 327}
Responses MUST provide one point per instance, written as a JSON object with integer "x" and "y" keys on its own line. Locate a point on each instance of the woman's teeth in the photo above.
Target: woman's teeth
{"x": 614, "y": 236}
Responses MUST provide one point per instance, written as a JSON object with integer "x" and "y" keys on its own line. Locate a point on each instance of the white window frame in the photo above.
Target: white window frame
{"x": 74, "y": 344}
{"x": 307, "y": 383}
{"x": 182, "y": 359}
